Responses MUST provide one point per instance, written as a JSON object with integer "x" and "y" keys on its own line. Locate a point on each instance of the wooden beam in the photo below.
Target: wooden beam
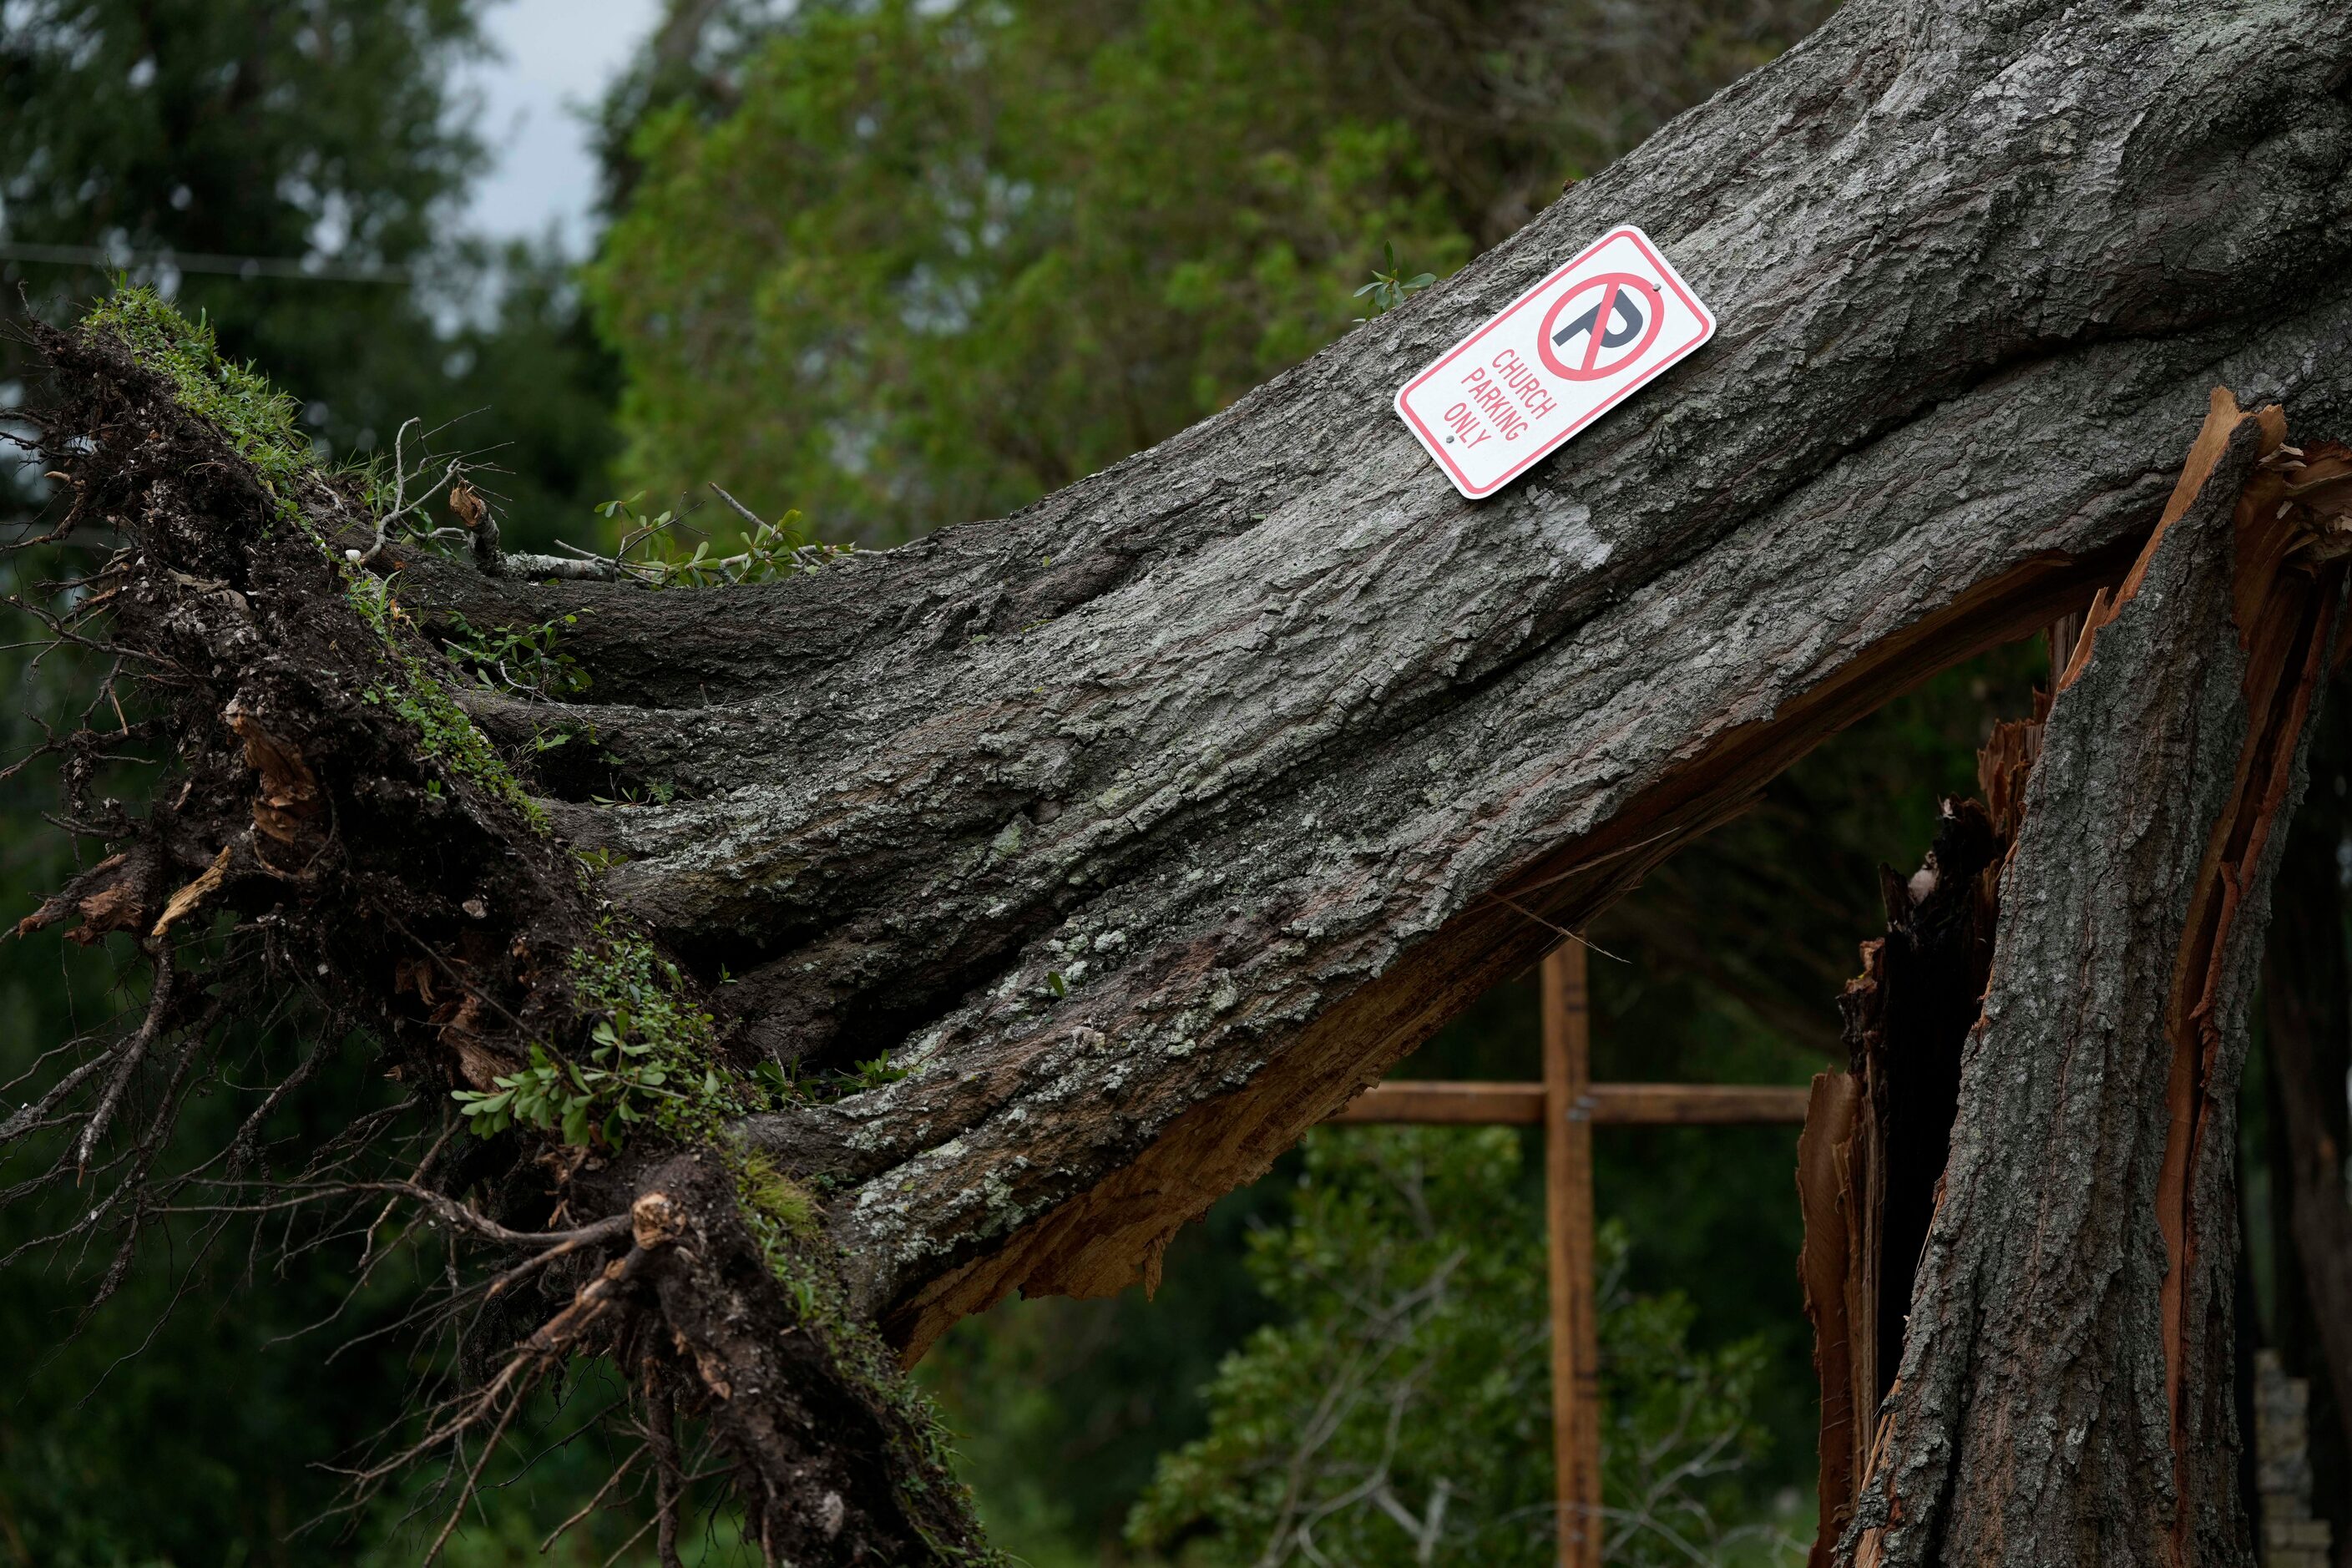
{"x": 1442, "y": 1102}
{"x": 1696, "y": 1104}
{"x": 1432, "y": 1101}
{"x": 1568, "y": 1188}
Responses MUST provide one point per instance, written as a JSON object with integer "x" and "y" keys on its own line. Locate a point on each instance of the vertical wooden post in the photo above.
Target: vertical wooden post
{"x": 1568, "y": 1186}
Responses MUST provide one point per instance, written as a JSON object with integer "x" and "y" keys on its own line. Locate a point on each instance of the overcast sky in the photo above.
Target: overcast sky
{"x": 555, "y": 55}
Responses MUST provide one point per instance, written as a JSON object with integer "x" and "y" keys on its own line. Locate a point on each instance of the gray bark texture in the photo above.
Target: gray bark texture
{"x": 2065, "y": 1380}
{"x": 1143, "y": 829}
{"x": 2066, "y": 1385}
{"x": 1278, "y": 750}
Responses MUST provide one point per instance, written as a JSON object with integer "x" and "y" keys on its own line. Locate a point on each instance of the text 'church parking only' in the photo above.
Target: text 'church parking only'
{"x": 1558, "y": 357}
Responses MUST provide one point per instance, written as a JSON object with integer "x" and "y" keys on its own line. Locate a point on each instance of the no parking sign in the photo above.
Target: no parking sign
{"x": 1559, "y": 356}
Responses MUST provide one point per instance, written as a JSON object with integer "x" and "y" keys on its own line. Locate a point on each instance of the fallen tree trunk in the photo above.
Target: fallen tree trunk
{"x": 1318, "y": 728}
{"x": 1140, "y": 830}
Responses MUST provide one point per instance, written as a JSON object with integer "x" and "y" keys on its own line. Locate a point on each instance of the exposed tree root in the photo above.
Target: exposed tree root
{"x": 331, "y": 824}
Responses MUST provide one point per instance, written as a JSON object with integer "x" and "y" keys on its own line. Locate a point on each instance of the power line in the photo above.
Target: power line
{"x": 247, "y": 267}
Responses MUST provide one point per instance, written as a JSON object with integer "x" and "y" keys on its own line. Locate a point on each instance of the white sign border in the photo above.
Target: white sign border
{"x": 1689, "y": 295}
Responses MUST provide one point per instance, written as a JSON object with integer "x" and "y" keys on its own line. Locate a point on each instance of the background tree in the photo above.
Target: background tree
{"x": 1396, "y": 1414}
{"x": 903, "y": 265}
{"x": 325, "y": 138}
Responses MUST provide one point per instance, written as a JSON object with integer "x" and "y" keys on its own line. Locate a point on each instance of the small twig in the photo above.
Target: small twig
{"x": 745, "y": 513}
{"x": 621, "y": 1551}
{"x": 622, "y": 1469}
{"x": 661, "y": 1433}
{"x": 401, "y": 504}
{"x": 158, "y": 1002}
{"x": 31, "y": 1115}
{"x": 472, "y": 1482}
{"x": 1577, "y": 937}
{"x": 367, "y": 1244}
{"x": 609, "y": 1228}
{"x": 244, "y": 1146}
{"x": 443, "y": 1205}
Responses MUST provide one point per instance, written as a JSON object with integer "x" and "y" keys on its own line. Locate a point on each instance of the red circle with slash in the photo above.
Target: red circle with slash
{"x": 1597, "y": 323}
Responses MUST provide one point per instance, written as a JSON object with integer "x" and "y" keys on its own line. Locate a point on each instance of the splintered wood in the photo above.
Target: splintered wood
{"x": 2023, "y": 1186}
{"x": 1872, "y": 1154}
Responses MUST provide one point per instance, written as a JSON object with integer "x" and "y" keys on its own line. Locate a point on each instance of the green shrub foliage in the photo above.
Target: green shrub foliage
{"x": 1398, "y": 1410}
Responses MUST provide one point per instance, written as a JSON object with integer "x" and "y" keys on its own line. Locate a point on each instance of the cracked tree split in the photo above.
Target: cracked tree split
{"x": 858, "y": 948}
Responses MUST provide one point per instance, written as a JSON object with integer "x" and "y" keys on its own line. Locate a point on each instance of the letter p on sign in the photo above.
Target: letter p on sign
{"x": 1558, "y": 358}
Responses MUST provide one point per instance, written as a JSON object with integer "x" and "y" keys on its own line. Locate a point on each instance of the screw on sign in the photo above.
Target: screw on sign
{"x": 1595, "y": 331}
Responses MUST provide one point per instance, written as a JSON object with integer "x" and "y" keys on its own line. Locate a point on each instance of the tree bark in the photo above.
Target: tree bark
{"x": 1324, "y": 750}
{"x": 2066, "y": 1387}
{"x": 2066, "y": 1080}
{"x": 1141, "y": 829}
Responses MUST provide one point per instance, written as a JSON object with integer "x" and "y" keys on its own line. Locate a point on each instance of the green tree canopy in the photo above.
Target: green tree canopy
{"x": 330, "y": 140}
{"x": 245, "y": 129}
{"x": 922, "y": 263}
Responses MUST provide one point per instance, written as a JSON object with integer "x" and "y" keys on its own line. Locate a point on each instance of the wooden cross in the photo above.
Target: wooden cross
{"x": 1568, "y": 1105}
